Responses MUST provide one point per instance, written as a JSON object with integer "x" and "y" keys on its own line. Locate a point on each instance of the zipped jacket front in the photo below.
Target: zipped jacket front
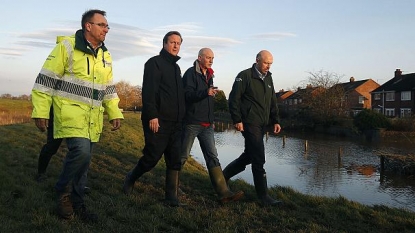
{"x": 78, "y": 82}
{"x": 253, "y": 100}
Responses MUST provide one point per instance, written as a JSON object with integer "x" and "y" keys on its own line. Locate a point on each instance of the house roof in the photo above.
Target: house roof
{"x": 405, "y": 82}
{"x": 349, "y": 86}
{"x": 281, "y": 94}
{"x": 300, "y": 93}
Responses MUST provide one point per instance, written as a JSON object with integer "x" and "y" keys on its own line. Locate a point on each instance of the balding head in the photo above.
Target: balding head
{"x": 264, "y": 61}
{"x": 205, "y": 58}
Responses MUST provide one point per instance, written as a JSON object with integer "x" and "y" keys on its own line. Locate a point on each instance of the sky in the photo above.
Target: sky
{"x": 354, "y": 38}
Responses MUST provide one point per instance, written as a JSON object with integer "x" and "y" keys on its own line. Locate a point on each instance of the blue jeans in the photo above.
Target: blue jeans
{"x": 75, "y": 169}
{"x": 206, "y": 138}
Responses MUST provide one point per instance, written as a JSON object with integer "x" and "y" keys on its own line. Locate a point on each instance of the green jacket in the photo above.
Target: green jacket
{"x": 78, "y": 83}
{"x": 253, "y": 100}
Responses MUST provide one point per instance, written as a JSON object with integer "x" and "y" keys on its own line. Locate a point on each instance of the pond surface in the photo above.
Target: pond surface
{"x": 355, "y": 174}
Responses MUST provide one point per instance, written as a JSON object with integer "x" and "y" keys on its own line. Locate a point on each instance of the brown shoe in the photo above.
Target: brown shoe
{"x": 65, "y": 209}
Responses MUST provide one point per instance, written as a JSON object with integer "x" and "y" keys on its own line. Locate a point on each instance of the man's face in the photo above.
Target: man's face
{"x": 206, "y": 59}
{"x": 173, "y": 44}
{"x": 97, "y": 28}
{"x": 264, "y": 63}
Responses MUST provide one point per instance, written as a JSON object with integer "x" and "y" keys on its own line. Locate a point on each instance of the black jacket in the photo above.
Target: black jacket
{"x": 252, "y": 100}
{"x": 199, "y": 105}
{"x": 162, "y": 91}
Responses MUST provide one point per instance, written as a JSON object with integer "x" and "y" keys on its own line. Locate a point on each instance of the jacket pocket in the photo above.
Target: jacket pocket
{"x": 73, "y": 115}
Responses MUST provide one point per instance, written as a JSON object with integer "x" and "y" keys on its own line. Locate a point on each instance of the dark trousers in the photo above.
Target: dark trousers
{"x": 166, "y": 141}
{"x": 254, "y": 152}
{"x": 50, "y": 148}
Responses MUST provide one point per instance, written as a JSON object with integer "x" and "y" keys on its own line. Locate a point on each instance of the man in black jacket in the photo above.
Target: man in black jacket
{"x": 199, "y": 93}
{"x": 253, "y": 107}
{"x": 162, "y": 114}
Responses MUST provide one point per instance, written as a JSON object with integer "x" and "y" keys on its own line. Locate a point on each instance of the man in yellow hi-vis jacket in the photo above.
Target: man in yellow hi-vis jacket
{"x": 76, "y": 79}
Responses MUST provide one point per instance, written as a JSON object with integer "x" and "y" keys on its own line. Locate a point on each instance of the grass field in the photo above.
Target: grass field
{"x": 14, "y": 111}
{"x": 28, "y": 206}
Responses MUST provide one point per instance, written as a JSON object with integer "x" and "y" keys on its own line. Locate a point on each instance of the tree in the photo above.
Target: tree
{"x": 327, "y": 101}
{"x": 221, "y": 103}
{"x": 130, "y": 96}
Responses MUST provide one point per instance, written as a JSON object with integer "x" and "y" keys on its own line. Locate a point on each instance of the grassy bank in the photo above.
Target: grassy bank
{"x": 14, "y": 111}
{"x": 26, "y": 206}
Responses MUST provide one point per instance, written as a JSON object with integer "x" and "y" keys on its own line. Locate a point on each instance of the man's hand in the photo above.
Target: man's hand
{"x": 154, "y": 125}
{"x": 41, "y": 124}
{"x": 116, "y": 124}
{"x": 212, "y": 91}
{"x": 239, "y": 126}
{"x": 277, "y": 128}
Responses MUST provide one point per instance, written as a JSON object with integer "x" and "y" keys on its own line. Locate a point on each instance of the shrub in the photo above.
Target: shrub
{"x": 369, "y": 119}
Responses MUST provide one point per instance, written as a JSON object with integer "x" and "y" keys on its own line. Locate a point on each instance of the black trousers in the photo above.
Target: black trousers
{"x": 254, "y": 152}
{"x": 166, "y": 141}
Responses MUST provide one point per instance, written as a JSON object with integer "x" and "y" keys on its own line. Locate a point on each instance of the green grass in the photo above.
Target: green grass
{"x": 27, "y": 206}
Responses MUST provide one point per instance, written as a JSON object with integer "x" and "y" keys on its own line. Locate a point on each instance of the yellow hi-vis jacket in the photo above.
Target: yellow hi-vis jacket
{"x": 77, "y": 81}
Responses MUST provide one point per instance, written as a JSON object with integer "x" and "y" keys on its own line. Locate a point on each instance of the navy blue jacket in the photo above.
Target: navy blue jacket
{"x": 199, "y": 105}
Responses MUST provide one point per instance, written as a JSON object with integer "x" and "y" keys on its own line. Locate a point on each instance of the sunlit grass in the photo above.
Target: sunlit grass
{"x": 15, "y": 111}
{"x": 27, "y": 206}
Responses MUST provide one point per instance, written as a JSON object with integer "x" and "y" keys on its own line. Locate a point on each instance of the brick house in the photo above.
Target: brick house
{"x": 395, "y": 98}
{"x": 282, "y": 95}
{"x": 356, "y": 94}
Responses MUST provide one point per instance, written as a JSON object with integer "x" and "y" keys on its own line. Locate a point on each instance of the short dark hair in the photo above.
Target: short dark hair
{"x": 166, "y": 37}
{"x": 87, "y": 16}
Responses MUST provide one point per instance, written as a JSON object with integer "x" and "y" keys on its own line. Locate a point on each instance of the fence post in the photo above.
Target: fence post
{"x": 306, "y": 145}
{"x": 339, "y": 156}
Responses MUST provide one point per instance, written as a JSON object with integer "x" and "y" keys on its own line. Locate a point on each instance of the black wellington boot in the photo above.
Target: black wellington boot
{"x": 233, "y": 169}
{"x": 221, "y": 188}
{"x": 261, "y": 187}
{"x": 130, "y": 179}
{"x": 172, "y": 185}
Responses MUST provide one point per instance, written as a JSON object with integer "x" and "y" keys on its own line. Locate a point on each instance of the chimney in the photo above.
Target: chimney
{"x": 351, "y": 79}
{"x": 398, "y": 72}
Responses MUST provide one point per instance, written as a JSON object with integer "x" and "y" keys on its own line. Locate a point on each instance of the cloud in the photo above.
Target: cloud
{"x": 14, "y": 52}
{"x": 124, "y": 41}
{"x": 273, "y": 35}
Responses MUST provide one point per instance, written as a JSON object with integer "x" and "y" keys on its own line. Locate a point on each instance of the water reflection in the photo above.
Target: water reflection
{"x": 330, "y": 167}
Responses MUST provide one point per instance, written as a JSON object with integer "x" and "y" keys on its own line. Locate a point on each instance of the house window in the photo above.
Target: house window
{"x": 406, "y": 95}
{"x": 390, "y": 96}
{"x": 300, "y": 100}
{"x": 390, "y": 112}
{"x": 405, "y": 112}
{"x": 377, "y": 96}
{"x": 290, "y": 102}
{"x": 295, "y": 101}
{"x": 378, "y": 110}
{"x": 361, "y": 99}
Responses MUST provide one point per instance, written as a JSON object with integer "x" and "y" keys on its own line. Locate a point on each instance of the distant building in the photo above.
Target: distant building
{"x": 356, "y": 94}
{"x": 395, "y": 98}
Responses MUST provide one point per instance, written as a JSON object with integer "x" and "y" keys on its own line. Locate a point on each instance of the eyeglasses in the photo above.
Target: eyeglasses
{"x": 102, "y": 25}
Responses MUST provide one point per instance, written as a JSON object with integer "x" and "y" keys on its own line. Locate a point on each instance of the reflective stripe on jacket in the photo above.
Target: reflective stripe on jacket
{"x": 78, "y": 82}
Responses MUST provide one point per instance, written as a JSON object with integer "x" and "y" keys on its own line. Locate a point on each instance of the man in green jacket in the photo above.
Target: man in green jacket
{"x": 76, "y": 79}
{"x": 253, "y": 108}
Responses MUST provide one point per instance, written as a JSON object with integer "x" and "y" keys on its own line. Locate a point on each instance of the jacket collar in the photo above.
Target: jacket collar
{"x": 255, "y": 72}
{"x": 82, "y": 44}
{"x": 209, "y": 71}
{"x": 168, "y": 56}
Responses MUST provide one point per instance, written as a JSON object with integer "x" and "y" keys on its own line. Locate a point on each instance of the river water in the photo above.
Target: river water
{"x": 329, "y": 167}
